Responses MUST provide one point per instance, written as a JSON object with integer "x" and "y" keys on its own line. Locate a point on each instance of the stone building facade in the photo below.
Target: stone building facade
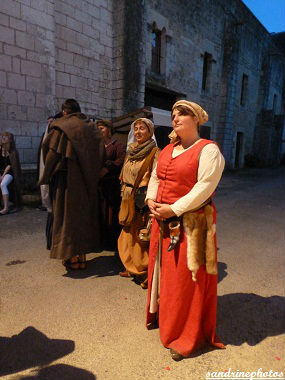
{"x": 51, "y": 50}
{"x": 117, "y": 56}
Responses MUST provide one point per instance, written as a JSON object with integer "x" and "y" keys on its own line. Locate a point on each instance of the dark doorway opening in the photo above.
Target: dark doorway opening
{"x": 159, "y": 99}
{"x": 161, "y": 135}
{"x": 238, "y": 149}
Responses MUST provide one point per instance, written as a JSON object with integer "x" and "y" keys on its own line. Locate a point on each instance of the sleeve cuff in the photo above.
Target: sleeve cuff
{"x": 175, "y": 210}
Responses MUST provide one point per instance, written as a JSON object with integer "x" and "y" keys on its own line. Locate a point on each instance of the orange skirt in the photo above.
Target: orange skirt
{"x": 133, "y": 252}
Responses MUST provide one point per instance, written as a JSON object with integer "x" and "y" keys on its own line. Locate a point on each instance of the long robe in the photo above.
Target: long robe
{"x": 134, "y": 252}
{"x": 73, "y": 155}
{"x": 186, "y": 309}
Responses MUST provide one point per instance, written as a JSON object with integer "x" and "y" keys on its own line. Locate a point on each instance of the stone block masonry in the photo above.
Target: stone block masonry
{"x": 26, "y": 73}
{"x": 81, "y": 35}
{"x": 51, "y": 50}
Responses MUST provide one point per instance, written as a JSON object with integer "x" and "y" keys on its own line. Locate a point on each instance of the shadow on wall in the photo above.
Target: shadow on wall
{"x": 249, "y": 318}
{"x": 31, "y": 348}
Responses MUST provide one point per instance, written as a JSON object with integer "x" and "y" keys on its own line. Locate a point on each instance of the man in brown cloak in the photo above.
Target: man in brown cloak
{"x": 73, "y": 154}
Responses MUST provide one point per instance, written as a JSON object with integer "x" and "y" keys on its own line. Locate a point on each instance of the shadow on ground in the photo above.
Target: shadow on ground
{"x": 111, "y": 266}
{"x": 222, "y": 273}
{"x": 249, "y": 318}
{"x": 98, "y": 267}
{"x": 61, "y": 372}
{"x": 15, "y": 262}
{"x": 30, "y": 348}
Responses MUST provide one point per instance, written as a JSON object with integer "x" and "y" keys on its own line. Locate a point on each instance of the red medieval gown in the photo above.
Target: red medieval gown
{"x": 187, "y": 309}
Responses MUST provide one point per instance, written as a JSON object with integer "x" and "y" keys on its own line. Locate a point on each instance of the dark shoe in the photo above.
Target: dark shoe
{"x": 175, "y": 355}
{"x": 42, "y": 208}
{"x": 125, "y": 273}
{"x": 141, "y": 280}
{"x": 82, "y": 261}
{"x": 144, "y": 284}
{"x": 71, "y": 263}
{"x": 82, "y": 265}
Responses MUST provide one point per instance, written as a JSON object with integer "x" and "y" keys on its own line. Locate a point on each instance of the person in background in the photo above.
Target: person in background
{"x": 10, "y": 172}
{"x": 109, "y": 186}
{"x": 46, "y": 203}
{"x": 140, "y": 160}
{"x": 182, "y": 295}
{"x": 73, "y": 155}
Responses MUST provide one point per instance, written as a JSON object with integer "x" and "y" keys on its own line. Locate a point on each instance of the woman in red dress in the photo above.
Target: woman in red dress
{"x": 182, "y": 276}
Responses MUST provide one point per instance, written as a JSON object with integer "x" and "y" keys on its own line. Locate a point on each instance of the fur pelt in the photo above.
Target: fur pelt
{"x": 200, "y": 234}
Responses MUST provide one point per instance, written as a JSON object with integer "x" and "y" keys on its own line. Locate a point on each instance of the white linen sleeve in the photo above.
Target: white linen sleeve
{"x": 211, "y": 166}
{"x": 152, "y": 185}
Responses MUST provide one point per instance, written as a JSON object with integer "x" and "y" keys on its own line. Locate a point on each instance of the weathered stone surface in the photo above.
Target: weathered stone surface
{"x": 24, "y": 142}
{"x": 16, "y": 81}
{"x": 25, "y": 41}
{"x": 63, "y": 78}
{"x": 10, "y": 8}
{"x": 4, "y": 19}
{"x": 34, "y": 84}
{"x": 15, "y": 23}
{"x": 7, "y": 34}
{"x": 26, "y": 98}
{"x": 3, "y": 79}
{"x": 31, "y": 68}
{"x": 37, "y": 17}
{"x": 15, "y": 51}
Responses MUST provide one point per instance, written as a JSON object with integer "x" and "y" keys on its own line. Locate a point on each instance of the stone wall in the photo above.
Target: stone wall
{"x": 27, "y": 71}
{"x": 51, "y": 50}
{"x": 84, "y": 46}
{"x": 237, "y": 43}
{"x": 118, "y": 57}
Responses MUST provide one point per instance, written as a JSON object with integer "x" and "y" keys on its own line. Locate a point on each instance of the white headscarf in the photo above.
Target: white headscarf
{"x": 131, "y": 135}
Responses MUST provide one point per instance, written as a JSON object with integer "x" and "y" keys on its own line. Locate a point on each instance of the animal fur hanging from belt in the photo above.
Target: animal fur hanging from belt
{"x": 200, "y": 233}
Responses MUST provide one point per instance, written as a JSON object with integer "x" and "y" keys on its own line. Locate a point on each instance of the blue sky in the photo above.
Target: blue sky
{"x": 271, "y": 13}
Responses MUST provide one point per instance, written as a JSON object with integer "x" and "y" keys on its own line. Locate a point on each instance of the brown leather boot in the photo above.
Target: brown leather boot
{"x": 71, "y": 263}
{"x": 125, "y": 273}
{"x": 82, "y": 261}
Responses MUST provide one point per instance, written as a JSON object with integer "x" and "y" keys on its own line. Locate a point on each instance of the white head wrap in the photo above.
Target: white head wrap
{"x": 148, "y": 123}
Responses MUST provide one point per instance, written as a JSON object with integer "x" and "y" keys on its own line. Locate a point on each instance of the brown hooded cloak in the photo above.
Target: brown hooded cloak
{"x": 73, "y": 155}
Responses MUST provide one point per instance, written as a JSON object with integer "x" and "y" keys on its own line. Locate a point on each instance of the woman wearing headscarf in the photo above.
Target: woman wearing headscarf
{"x": 182, "y": 274}
{"x": 10, "y": 172}
{"x": 140, "y": 160}
{"x": 109, "y": 185}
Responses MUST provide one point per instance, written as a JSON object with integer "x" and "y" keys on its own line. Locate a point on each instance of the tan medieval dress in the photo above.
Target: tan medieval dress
{"x": 133, "y": 252}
